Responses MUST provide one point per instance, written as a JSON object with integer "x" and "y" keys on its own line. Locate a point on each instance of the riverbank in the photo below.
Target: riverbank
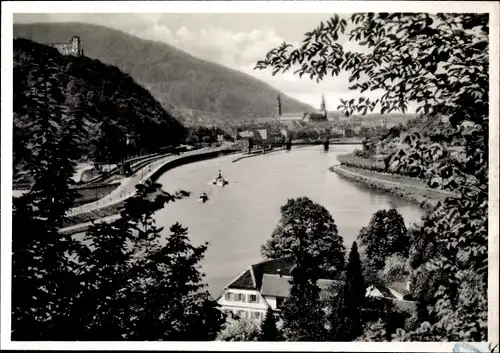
{"x": 410, "y": 189}
{"x": 257, "y": 153}
{"x": 80, "y": 222}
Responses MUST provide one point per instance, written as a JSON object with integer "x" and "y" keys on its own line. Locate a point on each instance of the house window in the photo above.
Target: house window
{"x": 240, "y": 297}
{"x": 241, "y": 314}
{"x": 255, "y": 315}
{"x": 229, "y": 296}
{"x": 254, "y": 298}
{"x": 279, "y": 302}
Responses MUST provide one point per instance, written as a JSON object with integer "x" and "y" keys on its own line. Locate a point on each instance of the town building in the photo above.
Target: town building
{"x": 255, "y": 133}
{"x": 295, "y": 118}
{"x": 396, "y": 289}
{"x": 319, "y": 116}
{"x": 261, "y": 286}
{"x": 73, "y": 47}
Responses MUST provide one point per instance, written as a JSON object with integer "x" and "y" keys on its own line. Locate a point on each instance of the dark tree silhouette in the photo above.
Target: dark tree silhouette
{"x": 43, "y": 281}
{"x": 386, "y": 234}
{"x": 346, "y": 316}
{"x": 123, "y": 281}
{"x": 303, "y": 317}
{"x": 143, "y": 287}
{"x": 268, "y": 329}
{"x": 311, "y": 222}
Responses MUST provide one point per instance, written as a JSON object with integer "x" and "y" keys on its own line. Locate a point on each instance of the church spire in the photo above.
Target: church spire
{"x": 278, "y": 105}
{"x": 322, "y": 107}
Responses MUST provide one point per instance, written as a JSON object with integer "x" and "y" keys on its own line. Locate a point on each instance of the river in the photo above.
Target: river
{"x": 240, "y": 217}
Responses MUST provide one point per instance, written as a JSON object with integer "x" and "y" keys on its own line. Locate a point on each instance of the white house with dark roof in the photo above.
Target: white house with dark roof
{"x": 263, "y": 285}
{"x": 267, "y": 284}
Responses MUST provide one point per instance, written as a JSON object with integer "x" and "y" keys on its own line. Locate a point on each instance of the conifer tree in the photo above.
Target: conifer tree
{"x": 268, "y": 329}
{"x": 303, "y": 317}
{"x": 345, "y": 318}
{"x": 144, "y": 286}
{"x": 43, "y": 280}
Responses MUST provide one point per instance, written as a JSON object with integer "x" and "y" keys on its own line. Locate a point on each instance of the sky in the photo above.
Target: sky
{"x": 237, "y": 41}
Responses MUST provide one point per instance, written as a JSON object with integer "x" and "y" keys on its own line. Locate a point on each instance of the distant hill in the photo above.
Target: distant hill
{"x": 181, "y": 82}
{"x": 112, "y": 106}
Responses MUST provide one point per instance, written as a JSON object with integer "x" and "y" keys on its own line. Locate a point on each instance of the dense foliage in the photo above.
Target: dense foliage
{"x": 302, "y": 314}
{"x": 132, "y": 271}
{"x": 200, "y": 89}
{"x": 121, "y": 118}
{"x": 239, "y": 330}
{"x": 123, "y": 280}
{"x": 198, "y": 135}
{"x": 384, "y": 236}
{"x": 42, "y": 282}
{"x": 440, "y": 62}
{"x": 312, "y": 224}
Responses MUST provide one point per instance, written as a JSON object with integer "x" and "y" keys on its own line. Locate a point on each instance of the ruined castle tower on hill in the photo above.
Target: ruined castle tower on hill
{"x": 74, "y": 47}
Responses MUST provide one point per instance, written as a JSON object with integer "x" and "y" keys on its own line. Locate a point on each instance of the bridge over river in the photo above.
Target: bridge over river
{"x": 239, "y": 218}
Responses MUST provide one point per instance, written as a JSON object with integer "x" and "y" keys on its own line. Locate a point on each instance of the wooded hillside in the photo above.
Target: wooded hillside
{"x": 114, "y": 108}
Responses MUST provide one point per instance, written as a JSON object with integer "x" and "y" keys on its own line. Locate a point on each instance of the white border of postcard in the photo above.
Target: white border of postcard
{"x": 328, "y": 7}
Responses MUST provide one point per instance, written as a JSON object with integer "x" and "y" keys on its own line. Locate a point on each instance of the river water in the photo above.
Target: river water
{"x": 240, "y": 217}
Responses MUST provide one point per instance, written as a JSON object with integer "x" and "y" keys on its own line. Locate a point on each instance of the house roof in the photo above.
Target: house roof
{"x": 272, "y": 277}
{"x": 275, "y": 285}
{"x": 281, "y": 266}
{"x": 279, "y": 286}
{"x": 317, "y": 117}
{"x": 399, "y": 286}
{"x": 386, "y": 293}
{"x": 252, "y": 277}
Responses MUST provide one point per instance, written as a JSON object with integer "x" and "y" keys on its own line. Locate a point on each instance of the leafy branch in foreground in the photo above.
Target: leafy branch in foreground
{"x": 440, "y": 62}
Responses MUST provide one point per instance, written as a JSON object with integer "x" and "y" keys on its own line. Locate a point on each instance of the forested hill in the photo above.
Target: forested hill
{"x": 172, "y": 76}
{"x": 111, "y": 104}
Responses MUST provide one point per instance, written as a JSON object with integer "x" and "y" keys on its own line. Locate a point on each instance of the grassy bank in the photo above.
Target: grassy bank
{"x": 410, "y": 189}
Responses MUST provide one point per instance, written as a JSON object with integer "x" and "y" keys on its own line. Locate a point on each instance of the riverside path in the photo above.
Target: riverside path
{"x": 127, "y": 186}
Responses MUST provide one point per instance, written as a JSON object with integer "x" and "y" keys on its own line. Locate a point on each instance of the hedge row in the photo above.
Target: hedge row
{"x": 354, "y": 161}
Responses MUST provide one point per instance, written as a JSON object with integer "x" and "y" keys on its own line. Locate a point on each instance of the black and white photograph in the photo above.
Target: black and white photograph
{"x": 260, "y": 172}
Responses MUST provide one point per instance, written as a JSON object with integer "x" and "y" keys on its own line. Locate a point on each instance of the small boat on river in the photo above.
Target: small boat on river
{"x": 220, "y": 181}
{"x": 203, "y": 197}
